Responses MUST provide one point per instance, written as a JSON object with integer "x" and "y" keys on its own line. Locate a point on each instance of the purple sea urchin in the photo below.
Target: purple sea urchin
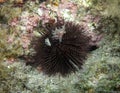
{"x": 62, "y": 49}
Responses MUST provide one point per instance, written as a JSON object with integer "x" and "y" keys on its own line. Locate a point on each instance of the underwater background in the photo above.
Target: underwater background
{"x": 22, "y": 20}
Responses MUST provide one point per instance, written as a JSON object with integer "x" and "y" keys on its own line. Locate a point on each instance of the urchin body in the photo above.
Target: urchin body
{"x": 62, "y": 49}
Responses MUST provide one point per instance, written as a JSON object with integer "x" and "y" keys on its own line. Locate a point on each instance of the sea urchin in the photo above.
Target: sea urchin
{"x": 62, "y": 49}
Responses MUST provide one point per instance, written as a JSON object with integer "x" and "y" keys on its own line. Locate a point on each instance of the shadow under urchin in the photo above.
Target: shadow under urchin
{"x": 62, "y": 49}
